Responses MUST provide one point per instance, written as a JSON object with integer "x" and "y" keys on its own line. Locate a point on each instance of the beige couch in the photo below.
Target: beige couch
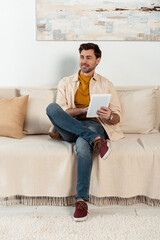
{"x": 37, "y": 170}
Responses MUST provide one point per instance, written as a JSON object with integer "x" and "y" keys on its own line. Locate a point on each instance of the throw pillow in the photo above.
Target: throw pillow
{"x": 12, "y": 115}
{"x": 138, "y": 111}
{"x": 36, "y": 121}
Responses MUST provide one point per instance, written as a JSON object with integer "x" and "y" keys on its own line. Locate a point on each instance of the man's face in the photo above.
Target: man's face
{"x": 88, "y": 61}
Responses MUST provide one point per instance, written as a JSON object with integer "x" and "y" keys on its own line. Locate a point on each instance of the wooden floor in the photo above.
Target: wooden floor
{"x": 137, "y": 209}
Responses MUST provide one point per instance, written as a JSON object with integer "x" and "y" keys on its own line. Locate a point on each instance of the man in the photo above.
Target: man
{"x": 68, "y": 116}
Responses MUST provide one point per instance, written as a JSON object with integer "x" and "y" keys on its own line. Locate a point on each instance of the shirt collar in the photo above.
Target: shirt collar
{"x": 75, "y": 77}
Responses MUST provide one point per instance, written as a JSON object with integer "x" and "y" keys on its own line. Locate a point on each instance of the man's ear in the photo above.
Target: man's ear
{"x": 98, "y": 60}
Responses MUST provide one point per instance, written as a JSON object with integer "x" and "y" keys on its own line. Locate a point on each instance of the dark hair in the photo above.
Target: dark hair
{"x": 88, "y": 46}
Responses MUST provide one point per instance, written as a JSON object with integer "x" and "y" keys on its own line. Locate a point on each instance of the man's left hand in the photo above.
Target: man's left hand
{"x": 104, "y": 112}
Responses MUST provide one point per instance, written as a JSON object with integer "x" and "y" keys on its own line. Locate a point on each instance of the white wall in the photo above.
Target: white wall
{"x": 27, "y": 62}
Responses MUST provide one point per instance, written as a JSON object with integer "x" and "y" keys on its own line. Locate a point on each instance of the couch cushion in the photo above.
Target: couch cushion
{"x": 12, "y": 115}
{"x": 138, "y": 111}
{"x": 36, "y": 121}
{"x": 40, "y": 166}
{"x": 36, "y": 165}
{"x": 131, "y": 169}
{"x": 8, "y": 92}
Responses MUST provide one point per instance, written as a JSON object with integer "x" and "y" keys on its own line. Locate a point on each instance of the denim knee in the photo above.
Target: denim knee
{"x": 51, "y": 108}
{"x": 83, "y": 148}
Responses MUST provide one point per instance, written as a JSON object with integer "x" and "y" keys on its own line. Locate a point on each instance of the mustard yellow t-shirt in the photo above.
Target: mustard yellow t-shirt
{"x": 82, "y": 97}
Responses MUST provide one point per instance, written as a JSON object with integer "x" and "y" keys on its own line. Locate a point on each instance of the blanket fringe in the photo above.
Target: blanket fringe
{"x": 67, "y": 201}
{"x": 36, "y": 201}
{"x": 105, "y": 201}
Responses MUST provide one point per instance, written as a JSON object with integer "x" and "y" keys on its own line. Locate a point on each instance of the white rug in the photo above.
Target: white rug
{"x": 109, "y": 227}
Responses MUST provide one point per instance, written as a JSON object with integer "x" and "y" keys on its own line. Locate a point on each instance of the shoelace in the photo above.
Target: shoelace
{"x": 99, "y": 142}
{"x": 81, "y": 205}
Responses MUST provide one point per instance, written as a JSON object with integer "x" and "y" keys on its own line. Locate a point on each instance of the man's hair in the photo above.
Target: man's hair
{"x": 88, "y": 46}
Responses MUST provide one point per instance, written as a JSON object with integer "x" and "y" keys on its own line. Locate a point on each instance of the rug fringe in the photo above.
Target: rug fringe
{"x": 67, "y": 201}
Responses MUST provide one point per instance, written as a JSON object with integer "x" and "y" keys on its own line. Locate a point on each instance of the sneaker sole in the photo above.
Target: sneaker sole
{"x": 80, "y": 219}
{"x": 108, "y": 152}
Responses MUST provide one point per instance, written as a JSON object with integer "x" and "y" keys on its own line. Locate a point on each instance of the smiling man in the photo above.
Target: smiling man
{"x": 68, "y": 116}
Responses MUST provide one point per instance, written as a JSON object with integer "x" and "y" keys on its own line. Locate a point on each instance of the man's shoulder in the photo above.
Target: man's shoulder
{"x": 70, "y": 78}
{"x": 102, "y": 78}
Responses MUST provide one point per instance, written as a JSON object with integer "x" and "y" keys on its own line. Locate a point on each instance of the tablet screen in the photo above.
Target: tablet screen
{"x": 97, "y": 101}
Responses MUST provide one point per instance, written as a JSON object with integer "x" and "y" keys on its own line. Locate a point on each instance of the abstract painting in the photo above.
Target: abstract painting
{"x": 127, "y": 20}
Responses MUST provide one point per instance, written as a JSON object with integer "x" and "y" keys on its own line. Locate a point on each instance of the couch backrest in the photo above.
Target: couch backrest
{"x": 13, "y": 92}
{"x": 8, "y": 92}
{"x": 157, "y": 122}
{"x": 157, "y": 94}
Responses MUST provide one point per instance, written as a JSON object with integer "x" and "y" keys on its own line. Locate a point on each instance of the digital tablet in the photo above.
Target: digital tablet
{"x": 97, "y": 101}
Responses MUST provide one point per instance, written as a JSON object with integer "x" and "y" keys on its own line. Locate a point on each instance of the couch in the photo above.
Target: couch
{"x": 38, "y": 170}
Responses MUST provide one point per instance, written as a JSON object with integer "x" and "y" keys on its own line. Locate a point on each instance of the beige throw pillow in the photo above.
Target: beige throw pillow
{"x": 36, "y": 121}
{"x": 12, "y": 115}
{"x": 138, "y": 111}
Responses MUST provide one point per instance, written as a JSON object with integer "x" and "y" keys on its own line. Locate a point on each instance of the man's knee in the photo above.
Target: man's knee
{"x": 51, "y": 108}
{"x": 98, "y": 129}
{"x": 82, "y": 146}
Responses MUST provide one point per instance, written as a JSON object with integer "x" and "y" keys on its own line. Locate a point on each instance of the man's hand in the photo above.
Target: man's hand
{"x": 75, "y": 112}
{"x": 84, "y": 110}
{"x": 104, "y": 112}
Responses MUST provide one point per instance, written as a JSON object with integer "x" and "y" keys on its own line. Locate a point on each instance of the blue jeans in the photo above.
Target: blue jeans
{"x": 83, "y": 132}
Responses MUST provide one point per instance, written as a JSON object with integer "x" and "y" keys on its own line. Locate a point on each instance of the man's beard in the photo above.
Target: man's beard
{"x": 87, "y": 70}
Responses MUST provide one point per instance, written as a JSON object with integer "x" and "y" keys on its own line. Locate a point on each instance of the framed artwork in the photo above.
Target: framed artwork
{"x": 96, "y": 20}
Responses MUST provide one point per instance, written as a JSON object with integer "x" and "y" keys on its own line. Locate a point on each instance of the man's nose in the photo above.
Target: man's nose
{"x": 84, "y": 60}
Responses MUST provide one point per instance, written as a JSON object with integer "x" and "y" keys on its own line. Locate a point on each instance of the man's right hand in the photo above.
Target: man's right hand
{"x": 75, "y": 112}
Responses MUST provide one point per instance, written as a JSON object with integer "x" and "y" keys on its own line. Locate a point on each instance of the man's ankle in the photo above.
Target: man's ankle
{"x": 96, "y": 139}
{"x": 81, "y": 200}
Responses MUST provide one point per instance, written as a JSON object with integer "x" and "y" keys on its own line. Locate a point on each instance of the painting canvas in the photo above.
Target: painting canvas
{"x": 129, "y": 20}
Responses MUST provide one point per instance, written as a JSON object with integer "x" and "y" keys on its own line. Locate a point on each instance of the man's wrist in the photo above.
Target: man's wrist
{"x": 114, "y": 119}
{"x": 111, "y": 116}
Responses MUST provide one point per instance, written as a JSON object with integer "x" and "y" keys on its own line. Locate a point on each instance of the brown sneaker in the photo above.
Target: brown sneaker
{"x": 103, "y": 146}
{"x": 81, "y": 211}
